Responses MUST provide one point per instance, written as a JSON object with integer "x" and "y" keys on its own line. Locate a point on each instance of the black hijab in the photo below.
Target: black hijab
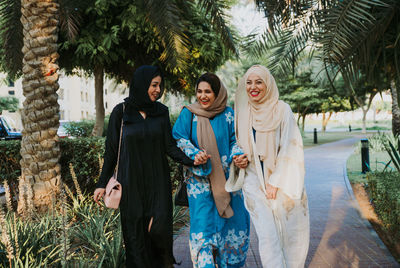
{"x": 139, "y": 99}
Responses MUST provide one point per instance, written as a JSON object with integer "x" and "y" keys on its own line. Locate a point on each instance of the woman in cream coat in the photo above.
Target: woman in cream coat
{"x": 273, "y": 181}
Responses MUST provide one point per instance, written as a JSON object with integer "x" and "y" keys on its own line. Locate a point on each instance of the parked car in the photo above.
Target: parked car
{"x": 62, "y": 132}
{"x": 7, "y": 131}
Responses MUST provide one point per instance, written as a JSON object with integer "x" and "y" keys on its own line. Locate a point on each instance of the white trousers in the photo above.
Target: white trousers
{"x": 282, "y": 225}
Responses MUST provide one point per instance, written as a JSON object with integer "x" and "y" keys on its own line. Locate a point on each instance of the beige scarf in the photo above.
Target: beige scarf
{"x": 264, "y": 116}
{"x": 207, "y": 141}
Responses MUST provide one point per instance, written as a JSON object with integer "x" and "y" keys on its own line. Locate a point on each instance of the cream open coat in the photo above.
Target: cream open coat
{"x": 282, "y": 225}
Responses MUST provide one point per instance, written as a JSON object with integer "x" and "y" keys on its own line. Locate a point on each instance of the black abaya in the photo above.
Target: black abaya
{"x": 146, "y": 187}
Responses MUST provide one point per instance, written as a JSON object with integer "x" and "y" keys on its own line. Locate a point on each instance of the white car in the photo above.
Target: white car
{"x": 62, "y": 132}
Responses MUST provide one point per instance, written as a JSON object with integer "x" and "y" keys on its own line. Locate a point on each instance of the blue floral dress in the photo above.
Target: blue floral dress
{"x": 209, "y": 231}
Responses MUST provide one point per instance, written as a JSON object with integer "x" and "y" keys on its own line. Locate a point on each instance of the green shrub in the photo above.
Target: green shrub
{"x": 83, "y": 153}
{"x": 10, "y": 168}
{"x": 84, "y": 128}
{"x": 384, "y": 189}
{"x": 79, "y": 129}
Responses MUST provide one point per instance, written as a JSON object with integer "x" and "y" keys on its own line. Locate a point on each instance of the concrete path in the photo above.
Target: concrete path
{"x": 340, "y": 237}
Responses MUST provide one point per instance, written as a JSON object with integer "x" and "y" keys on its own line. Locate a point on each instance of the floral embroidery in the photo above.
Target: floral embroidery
{"x": 204, "y": 259}
{"x": 229, "y": 117}
{"x": 236, "y": 241}
{"x": 224, "y": 162}
{"x": 188, "y": 148}
{"x": 195, "y": 187}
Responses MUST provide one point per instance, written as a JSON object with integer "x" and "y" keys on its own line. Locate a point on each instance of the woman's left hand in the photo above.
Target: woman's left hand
{"x": 241, "y": 161}
{"x": 271, "y": 191}
{"x": 201, "y": 158}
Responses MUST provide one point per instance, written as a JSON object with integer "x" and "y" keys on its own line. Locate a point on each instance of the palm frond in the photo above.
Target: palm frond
{"x": 71, "y": 16}
{"x": 216, "y": 9}
{"x": 345, "y": 26}
{"x": 282, "y": 47}
{"x": 281, "y": 13}
{"x": 164, "y": 16}
{"x": 11, "y": 38}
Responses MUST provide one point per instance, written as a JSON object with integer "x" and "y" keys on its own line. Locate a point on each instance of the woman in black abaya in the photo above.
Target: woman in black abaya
{"x": 146, "y": 203}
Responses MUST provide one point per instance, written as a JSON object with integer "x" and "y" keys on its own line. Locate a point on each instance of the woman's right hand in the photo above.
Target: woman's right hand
{"x": 98, "y": 194}
{"x": 201, "y": 158}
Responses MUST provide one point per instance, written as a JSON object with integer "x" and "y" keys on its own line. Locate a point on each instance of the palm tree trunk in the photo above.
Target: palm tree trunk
{"x": 395, "y": 109}
{"x": 40, "y": 115}
{"x": 99, "y": 100}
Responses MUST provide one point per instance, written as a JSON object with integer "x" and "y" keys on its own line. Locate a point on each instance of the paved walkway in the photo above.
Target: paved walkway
{"x": 340, "y": 237}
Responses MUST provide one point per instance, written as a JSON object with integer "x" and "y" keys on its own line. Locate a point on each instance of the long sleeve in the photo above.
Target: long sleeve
{"x": 233, "y": 146}
{"x": 187, "y": 143}
{"x": 289, "y": 171}
{"x": 171, "y": 148}
{"x": 112, "y": 142}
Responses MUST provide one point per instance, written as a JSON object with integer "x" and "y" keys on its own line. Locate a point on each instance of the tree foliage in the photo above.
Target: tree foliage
{"x": 119, "y": 36}
{"x": 9, "y": 104}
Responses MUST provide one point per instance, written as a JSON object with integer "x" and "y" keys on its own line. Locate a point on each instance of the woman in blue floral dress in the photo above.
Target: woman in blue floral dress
{"x": 219, "y": 222}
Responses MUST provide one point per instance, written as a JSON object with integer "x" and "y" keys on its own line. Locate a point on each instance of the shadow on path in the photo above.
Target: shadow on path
{"x": 339, "y": 236}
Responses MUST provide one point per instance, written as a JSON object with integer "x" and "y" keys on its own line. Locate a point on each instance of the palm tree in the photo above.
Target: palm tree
{"x": 32, "y": 26}
{"x": 358, "y": 38}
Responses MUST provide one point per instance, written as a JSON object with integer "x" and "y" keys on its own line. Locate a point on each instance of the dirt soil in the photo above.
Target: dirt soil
{"x": 368, "y": 212}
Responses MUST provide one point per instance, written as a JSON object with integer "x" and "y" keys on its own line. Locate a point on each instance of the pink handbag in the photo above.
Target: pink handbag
{"x": 113, "y": 193}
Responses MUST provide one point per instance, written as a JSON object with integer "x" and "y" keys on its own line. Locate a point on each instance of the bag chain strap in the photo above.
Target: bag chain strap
{"x": 119, "y": 144}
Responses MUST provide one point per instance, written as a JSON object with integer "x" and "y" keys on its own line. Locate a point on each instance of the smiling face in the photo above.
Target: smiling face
{"x": 255, "y": 87}
{"x": 154, "y": 88}
{"x": 205, "y": 95}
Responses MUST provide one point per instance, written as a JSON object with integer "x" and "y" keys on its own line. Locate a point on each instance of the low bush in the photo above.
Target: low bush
{"x": 84, "y": 128}
{"x": 79, "y": 129}
{"x": 84, "y": 154}
{"x": 10, "y": 168}
{"x": 384, "y": 190}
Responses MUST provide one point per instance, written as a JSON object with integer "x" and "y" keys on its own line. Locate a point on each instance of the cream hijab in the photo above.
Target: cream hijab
{"x": 264, "y": 116}
{"x": 207, "y": 141}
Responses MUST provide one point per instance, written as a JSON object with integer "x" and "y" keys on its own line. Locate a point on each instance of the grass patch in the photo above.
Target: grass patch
{"x": 308, "y": 138}
{"x": 377, "y": 161}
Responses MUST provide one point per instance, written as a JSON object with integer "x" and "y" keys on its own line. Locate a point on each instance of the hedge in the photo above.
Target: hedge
{"x": 83, "y": 153}
{"x": 384, "y": 188}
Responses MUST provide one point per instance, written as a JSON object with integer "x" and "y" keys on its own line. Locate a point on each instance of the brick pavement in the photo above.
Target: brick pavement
{"x": 339, "y": 236}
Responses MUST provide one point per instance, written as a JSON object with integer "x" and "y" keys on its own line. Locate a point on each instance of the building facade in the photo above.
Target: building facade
{"x": 75, "y": 96}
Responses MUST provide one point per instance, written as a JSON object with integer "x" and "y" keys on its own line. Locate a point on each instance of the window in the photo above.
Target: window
{"x": 105, "y": 92}
{"x": 106, "y": 105}
{"x": 82, "y": 96}
{"x": 11, "y": 92}
{"x": 82, "y": 115}
{"x": 87, "y": 100}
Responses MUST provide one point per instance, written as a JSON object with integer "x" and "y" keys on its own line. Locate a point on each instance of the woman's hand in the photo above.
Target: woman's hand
{"x": 98, "y": 194}
{"x": 201, "y": 158}
{"x": 271, "y": 191}
{"x": 241, "y": 160}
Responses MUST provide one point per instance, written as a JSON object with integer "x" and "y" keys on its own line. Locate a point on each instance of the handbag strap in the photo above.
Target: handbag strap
{"x": 119, "y": 143}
